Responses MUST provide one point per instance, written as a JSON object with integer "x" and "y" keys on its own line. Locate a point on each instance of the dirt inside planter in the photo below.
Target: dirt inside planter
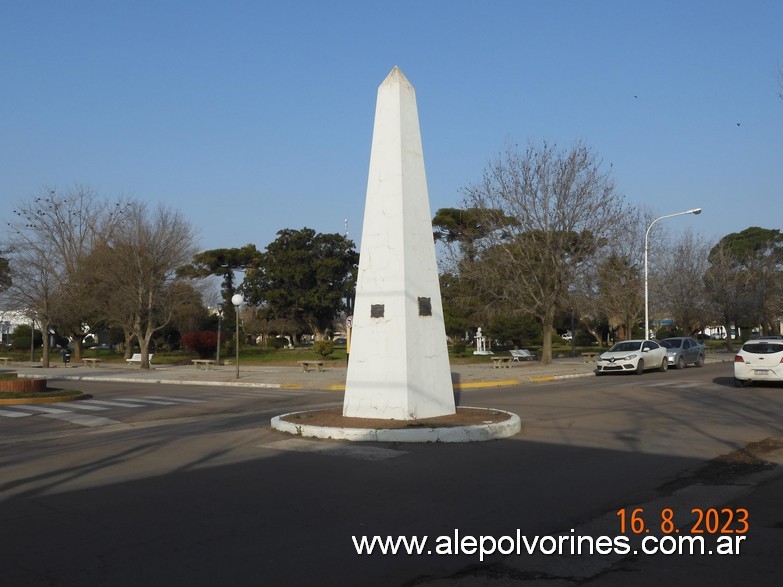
{"x": 333, "y": 418}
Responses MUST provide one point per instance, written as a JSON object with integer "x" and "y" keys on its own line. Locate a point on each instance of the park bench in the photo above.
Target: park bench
{"x": 307, "y": 364}
{"x": 518, "y": 354}
{"x": 136, "y": 358}
{"x": 499, "y": 362}
{"x": 589, "y": 357}
{"x": 206, "y": 363}
{"x": 90, "y": 362}
{"x": 5, "y": 360}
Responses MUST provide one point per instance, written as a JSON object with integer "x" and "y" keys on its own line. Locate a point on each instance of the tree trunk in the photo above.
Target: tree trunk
{"x": 546, "y": 351}
{"x": 45, "y": 344}
{"x": 128, "y": 350}
{"x": 144, "y": 350}
{"x": 729, "y": 344}
{"x": 78, "y": 347}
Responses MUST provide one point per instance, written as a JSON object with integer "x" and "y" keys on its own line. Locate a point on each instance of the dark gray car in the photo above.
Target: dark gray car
{"x": 684, "y": 350}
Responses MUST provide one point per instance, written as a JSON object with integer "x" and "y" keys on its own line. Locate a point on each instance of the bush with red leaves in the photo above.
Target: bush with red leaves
{"x": 204, "y": 342}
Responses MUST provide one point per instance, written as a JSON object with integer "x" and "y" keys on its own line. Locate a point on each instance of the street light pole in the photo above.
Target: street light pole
{"x": 217, "y": 355}
{"x": 237, "y": 300}
{"x": 646, "y": 291}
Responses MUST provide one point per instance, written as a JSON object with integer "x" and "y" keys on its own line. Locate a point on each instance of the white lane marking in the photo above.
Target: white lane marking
{"x": 113, "y": 404}
{"x": 7, "y": 414}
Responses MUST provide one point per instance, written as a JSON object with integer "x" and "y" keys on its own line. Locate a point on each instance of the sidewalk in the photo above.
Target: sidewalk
{"x": 331, "y": 378}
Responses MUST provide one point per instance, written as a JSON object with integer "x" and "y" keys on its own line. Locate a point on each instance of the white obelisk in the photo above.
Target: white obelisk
{"x": 399, "y": 366}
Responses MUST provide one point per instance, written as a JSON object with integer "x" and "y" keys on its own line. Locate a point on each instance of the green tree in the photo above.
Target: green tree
{"x": 465, "y": 227}
{"x": 304, "y": 276}
{"x": 458, "y": 306}
{"x": 744, "y": 278}
{"x": 223, "y": 263}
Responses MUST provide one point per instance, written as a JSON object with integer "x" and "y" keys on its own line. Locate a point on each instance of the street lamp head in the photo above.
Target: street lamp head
{"x": 695, "y": 211}
{"x": 237, "y": 300}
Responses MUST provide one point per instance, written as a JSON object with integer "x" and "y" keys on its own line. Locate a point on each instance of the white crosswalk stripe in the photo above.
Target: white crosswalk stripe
{"x": 142, "y": 400}
{"x": 77, "y": 405}
{"x": 112, "y": 404}
{"x": 81, "y": 419}
{"x": 13, "y": 414}
{"x": 67, "y": 411}
{"x": 45, "y": 409}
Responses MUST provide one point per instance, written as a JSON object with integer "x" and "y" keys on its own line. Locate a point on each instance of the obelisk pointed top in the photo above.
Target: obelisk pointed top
{"x": 396, "y": 75}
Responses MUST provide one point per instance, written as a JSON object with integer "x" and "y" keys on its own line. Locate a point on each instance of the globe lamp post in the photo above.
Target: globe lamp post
{"x": 237, "y": 300}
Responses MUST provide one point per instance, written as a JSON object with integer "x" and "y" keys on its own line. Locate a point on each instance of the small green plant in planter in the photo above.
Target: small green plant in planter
{"x": 323, "y": 348}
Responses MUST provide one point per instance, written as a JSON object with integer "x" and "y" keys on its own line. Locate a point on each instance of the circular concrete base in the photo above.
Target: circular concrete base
{"x": 472, "y": 433}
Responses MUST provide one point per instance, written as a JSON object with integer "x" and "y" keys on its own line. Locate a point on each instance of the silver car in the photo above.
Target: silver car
{"x": 683, "y": 350}
{"x": 759, "y": 360}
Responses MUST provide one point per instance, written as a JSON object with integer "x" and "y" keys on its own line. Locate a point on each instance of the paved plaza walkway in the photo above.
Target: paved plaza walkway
{"x": 331, "y": 378}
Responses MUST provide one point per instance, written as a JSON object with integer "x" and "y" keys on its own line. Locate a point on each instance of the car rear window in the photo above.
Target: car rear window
{"x": 763, "y": 348}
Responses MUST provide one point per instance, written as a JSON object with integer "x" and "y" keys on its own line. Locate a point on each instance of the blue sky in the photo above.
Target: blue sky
{"x": 250, "y": 117}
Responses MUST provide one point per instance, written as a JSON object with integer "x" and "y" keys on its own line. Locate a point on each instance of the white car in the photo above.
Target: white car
{"x": 759, "y": 360}
{"x": 634, "y": 356}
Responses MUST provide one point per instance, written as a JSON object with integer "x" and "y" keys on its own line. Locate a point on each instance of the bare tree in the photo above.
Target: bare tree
{"x": 74, "y": 222}
{"x": 727, "y": 287}
{"x": 565, "y": 210}
{"x": 135, "y": 267}
{"x": 49, "y": 236}
{"x": 678, "y": 283}
{"x": 617, "y": 288}
{"x": 34, "y": 282}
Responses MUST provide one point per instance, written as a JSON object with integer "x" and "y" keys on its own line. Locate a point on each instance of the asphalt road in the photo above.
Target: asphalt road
{"x": 190, "y": 486}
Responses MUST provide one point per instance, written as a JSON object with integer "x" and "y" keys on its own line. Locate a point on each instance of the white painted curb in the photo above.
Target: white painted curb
{"x": 473, "y": 433}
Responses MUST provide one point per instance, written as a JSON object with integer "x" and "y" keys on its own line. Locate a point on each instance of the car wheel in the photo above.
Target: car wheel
{"x": 664, "y": 365}
{"x": 741, "y": 382}
{"x": 640, "y": 367}
{"x": 680, "y": 362}
{"x": 599, "y": 373}
{"x": 700, "y": 361}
